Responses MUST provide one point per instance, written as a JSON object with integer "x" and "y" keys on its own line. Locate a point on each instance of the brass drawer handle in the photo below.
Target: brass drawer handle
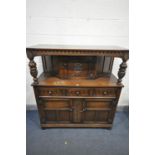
{"x": 71, "y": 109}
{"x": 84, "y": 109}
{"x": 65, "y": 65}
{"x": 77, "y": 93}
{"x": 105, "y": 92}
{"x": 84, "y": 106}
{"x": 50, "y": 92}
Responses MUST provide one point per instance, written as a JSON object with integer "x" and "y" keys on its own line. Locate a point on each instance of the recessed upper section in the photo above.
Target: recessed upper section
{"x": 82, "y": 62}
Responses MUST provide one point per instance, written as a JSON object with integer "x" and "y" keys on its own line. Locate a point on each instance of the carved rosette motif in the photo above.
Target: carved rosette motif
{"x": 122, "y": 71}
{"x": 33, "y": 71}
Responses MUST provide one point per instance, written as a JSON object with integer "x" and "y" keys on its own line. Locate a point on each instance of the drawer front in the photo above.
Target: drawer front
{"x": 95, "y": 92}
{"x": 81, "y": 92}
{"x": 46, "y": 91}
{"x": 107, "y": 92}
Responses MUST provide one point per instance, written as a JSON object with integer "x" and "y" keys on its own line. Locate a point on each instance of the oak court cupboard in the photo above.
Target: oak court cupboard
{"x": 77, "y": 87}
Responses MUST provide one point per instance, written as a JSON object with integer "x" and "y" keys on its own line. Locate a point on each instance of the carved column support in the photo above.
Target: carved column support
{"x": 32, "y": 66}
{"x": 33, "y": 71}
{"x": 122, "y": 71}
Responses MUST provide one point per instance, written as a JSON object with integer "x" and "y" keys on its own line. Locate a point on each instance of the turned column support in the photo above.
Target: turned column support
{"x": 122, "y": 70}
{"x": 33, "y": 67}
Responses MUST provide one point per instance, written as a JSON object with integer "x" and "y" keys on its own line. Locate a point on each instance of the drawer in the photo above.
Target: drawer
{"x": 81, "y": 92}
{"x": 46, "y": 91}
{"x": 106, "y": 92}
{"x": 96, "y": 92}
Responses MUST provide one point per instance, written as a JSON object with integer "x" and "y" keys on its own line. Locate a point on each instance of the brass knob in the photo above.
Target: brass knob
{"x": 70, "y": 109}
{"x": 84, "y": 109}
{"x": 77, "y": 93}
{"x": 105, "y": 93}
{"x": 50, "y": 92}
{"x": 65, "y": 65}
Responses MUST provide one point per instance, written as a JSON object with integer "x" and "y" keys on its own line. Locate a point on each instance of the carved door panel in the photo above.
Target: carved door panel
{"x": 76, "y": 111}
{"x": 97, "y": 111}
{"x": 58, "y": 110}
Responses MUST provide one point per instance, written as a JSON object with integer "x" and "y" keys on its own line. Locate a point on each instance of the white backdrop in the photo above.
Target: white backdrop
{"x": 77, "y": 22}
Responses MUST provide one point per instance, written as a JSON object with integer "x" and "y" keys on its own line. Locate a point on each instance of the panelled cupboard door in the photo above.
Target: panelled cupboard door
{"x": 97, "y": 111}
{"x": 58, "y": 110}
{"x": 61, "y": 111}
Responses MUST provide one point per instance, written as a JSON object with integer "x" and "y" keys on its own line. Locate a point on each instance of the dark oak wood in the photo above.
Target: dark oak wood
{"x": 77, "y": 87}
{"x": 46, "y": 79}
{"x": 122, "y": 71}
{"x": 33, "y": 71}
{"x": 72, "y": 125}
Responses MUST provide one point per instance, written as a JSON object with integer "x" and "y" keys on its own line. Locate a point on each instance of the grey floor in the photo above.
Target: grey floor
{"x": 78, "y": 141}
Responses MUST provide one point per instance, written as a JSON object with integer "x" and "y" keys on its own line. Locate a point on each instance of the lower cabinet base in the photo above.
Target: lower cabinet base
{"x": 76, "y": 111}
{"x": 76, "y": 126}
